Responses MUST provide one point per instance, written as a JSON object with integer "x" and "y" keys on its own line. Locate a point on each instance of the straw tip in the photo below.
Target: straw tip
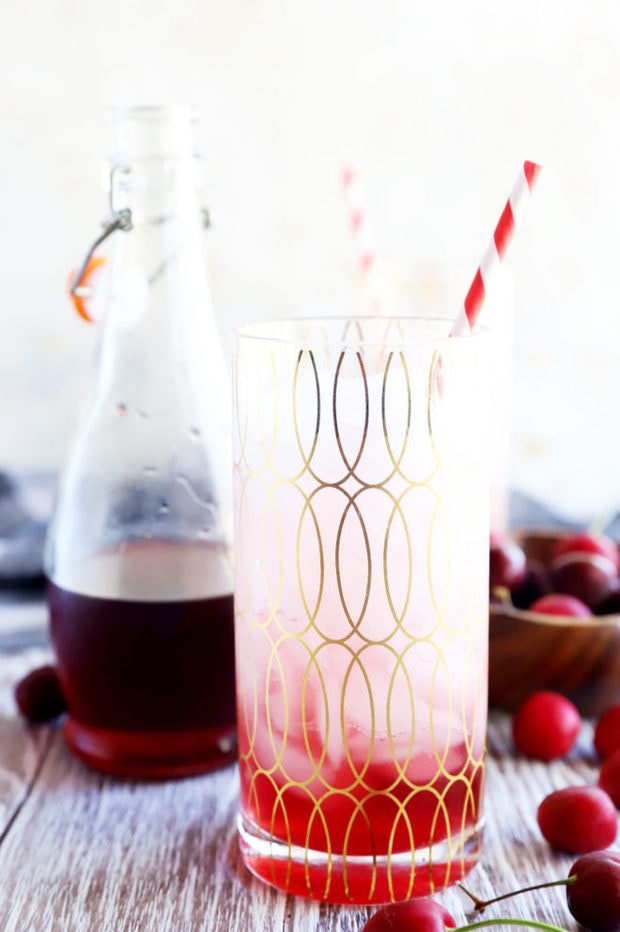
{"x": 532, "y": 171}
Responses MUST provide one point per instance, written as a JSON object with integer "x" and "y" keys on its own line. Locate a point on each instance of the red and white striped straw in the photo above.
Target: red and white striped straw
{"x": 362, "y": 234}
{"x": 497, "y": 248}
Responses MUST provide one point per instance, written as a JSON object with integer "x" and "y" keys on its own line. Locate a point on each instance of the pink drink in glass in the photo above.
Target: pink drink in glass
{"x": 361, "y": 614}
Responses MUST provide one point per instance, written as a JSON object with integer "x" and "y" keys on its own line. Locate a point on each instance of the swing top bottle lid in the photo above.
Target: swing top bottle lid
{"x": 154, "y": 132}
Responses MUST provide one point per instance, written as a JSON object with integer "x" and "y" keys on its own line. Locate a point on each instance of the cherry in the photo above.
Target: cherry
{"x": 545, "y": 725}
{"x": 589, "y": 577}
{"x": 507, "y": 563}
{"x": 534, "y": 585}
{"x": 578, "y": 819}
{"x": 423, "y": 915}
{"x": 586, "y": 542}
{"x": 609, "y": 777}
{"x": 558, "y": 604}
{"x": 607, "y": 732}
{"x": 594, "y": 895}
{"x": 38, "y": 695}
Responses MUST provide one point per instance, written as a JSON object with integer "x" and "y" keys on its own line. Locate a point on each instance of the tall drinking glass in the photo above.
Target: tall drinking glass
{"x": 361, "y": 484}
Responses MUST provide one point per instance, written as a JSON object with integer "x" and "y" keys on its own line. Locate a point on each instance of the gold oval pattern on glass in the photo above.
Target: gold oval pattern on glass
{"x": 314, "y": 492}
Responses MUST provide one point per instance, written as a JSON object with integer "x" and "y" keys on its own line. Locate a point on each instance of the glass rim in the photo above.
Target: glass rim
{"x": 274, "y": 331}
{"x": 152, "y": 134}
{"x": 151, "y": 112}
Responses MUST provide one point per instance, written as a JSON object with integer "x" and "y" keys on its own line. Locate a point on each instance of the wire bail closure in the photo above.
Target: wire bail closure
{"x": 119, "y": 220}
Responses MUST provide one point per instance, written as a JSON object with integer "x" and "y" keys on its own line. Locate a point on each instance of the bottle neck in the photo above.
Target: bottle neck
{"x": 159, "y": 324}
{"x": 156, "y": 189}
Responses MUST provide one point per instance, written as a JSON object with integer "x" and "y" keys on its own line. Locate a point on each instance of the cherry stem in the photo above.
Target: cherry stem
{"x": 530, "y": 923}
{"x": 482, "y": 904}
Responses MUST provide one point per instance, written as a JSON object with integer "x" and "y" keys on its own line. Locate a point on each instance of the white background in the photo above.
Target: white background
{"x": 437, "y": 103}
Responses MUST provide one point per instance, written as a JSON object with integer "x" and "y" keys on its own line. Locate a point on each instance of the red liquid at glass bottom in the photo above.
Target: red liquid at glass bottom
{"x": 149, "y": 686}
{"x": 423, "y": 839}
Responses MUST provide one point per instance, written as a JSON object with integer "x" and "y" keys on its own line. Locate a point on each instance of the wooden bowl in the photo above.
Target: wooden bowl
{"x": 528, "y": 651}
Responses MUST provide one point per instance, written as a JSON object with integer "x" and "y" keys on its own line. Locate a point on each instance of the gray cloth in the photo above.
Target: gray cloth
{"x": 22, "y": 536}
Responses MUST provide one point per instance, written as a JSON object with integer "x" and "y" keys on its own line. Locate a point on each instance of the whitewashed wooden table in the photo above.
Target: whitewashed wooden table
{"x": 87, "y": 853}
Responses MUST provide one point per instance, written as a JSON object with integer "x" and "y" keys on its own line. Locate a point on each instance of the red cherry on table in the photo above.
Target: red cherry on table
{"x": 578, "y": 819}
{"x": 559, "y": 604}
{"x": 607, "y": 732}
{"x": 423, "y": 915}
{"x": 587, "y": 542}
{"x": 38, "y": 695}
{"x": 545, "y": 726}
{"x": 594, "y": 896}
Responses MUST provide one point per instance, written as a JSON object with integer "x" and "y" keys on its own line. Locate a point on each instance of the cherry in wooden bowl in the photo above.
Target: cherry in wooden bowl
{"x": 529, "y": 650}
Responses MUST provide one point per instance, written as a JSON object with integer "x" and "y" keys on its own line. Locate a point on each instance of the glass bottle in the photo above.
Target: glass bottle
{"x": 138, "y": 553}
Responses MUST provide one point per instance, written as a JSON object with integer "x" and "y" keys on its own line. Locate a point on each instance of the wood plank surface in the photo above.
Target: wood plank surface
{"x": 22, "y": 750}
{"x": 80, "y": 852}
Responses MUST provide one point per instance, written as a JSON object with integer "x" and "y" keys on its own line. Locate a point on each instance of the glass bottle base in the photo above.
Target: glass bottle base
{"x": 151, "y": 755}
{"x": 358, "y": 880}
